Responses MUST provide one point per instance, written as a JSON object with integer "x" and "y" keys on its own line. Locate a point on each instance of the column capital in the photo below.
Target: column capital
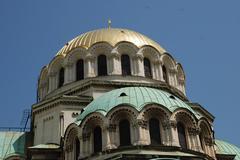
{"x": 111, "y": 127}
{"x": 86, "y": 136}
{"x": 142, "y": 123}
{"x": 169, "y": 124}
{"x": 194, "y": 131}
{"x": 209, "y": 141}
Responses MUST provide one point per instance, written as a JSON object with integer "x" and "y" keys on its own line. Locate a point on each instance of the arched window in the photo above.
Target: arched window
{"x": 61, "y": 77}
{"x": 181, "y": 135}
{"x": 97, "y": 139}
{"x": 165, "y": 75}
{"x": 102, "y": 65}
{"x": 124, "y": 131}
{"x": 154, "y": 130}
{"x": 80, "y": 70}
{"x": 126, "y": 66}
{"x": 147, "y": 68}
{"x": 77, "y": 148}
{"x": 201, "y": 141}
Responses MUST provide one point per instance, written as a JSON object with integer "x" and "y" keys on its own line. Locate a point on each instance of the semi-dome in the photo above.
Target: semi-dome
{"x": 87, "y": 39}
{"x": 225, "y": 148}
{"x": 136, "y": 97}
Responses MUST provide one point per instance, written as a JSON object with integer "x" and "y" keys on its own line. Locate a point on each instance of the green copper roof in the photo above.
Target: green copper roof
{"x": 223, "y": 147}
{"x": 136, "y": 97}
{"x": 11, "y": 143}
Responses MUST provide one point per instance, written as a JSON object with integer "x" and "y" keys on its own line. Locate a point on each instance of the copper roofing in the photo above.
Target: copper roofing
{"x": 111, "y": 36}
{"x": 136, "y": 97}
{"x": 225, "y": 148}
{"x": 12, "y": 143}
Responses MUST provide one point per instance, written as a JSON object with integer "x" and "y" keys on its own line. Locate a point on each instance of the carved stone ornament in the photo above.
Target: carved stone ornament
{"x": 112, "y": 127}
{"x": 86, "y": 136}
{"x": 194, "y": 131}
{"x": 142, "y": 123}
{"x": 209, "y": 141}
{"x": 169, "y": 124}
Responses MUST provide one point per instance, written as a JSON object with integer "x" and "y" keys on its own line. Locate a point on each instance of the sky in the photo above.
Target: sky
{"x": 204, "y": 36}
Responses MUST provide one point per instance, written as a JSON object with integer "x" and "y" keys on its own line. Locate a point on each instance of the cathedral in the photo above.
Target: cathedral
{"x": 115, "y": 94}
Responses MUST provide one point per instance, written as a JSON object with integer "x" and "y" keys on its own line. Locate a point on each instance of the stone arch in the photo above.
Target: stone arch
{"x": 88, "y": 126}
{"x": 180, "y": 78}
{"x": 74, "y": 55}
{"x": 119, "y": 114}
{"x": 114, "y": 115}
{"x": 185, "y": 118}
{"x": 162, "y": 115}
{"x": 169, "y": 63}
{"x": 150, "y": 52}
{"x": 206, "y": 136}
{"x": 56, "y": 64}
{"x": 92, "y": 120}
{"x": 71, "y": 62}
{"x": 126, "y": 48}
{"x": 43, "y": 83}
{"x": 70, "y": 136}
{"x": 100, "y": 48}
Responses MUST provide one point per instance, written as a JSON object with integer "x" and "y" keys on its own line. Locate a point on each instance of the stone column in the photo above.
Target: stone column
{"x": 174, "y": 133}
{"x": 115, "y": 65}
{"x": 89, "y": 63}
{"x": 141, "y": 127}
{"x": 158, "y": 70}
{"x": 139, "y": 68}
{"x": 194, "y": 138}
{"x": 52, "y": 81}
{"x": 107, "y": 133}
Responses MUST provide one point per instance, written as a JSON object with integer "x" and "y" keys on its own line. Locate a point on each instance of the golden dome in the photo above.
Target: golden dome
{"x": 111, "y": 36}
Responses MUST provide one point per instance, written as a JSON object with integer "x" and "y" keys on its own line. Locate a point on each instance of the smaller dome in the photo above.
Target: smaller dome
{"x": 223, "y": 147}
{"x": 137, "y": 97}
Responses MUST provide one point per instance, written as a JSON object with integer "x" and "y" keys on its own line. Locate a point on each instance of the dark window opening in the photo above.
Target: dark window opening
{"x": 77, "y": 148}
{"x": 124, "y": 131}
{"x": 181, "y": 135}
{"x": 126, "y": 66}
{"x": 147, "y": 68}
{"x": 201, "y": 141}
{"x": 165, "y": 75}
{"x": 97, "y": 138}
{"x": 102, "y": 65}
{"x": 61, "y": 77}
{"x": 172, "y": 97}
{"x": 154, "y": 130}
{"x": 122, "y": 95}
{"x": 80, "y": 70}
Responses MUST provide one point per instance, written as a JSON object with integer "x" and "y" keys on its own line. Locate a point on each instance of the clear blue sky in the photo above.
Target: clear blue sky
{"x": 202, "y": 35}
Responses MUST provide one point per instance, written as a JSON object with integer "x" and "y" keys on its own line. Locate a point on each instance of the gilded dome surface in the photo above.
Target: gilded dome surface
{"x": 137, "y": 97}
{"x": 111, "y": 36}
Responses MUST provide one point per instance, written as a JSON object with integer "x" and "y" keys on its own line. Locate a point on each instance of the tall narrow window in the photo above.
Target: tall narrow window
{"x": 201, "y": 141}
{"x": 77, "y": 148}
{"x": 181, "y": 135}
{"x": 147, "y": 68}
{"x": 97, "y": 139}
{"x": 165, "y": 75}
{"x": 154, "y": 130}
{"x": 102, "y": 65}
{"x": 124, "y": 131}
{"x": 80, "y": 69}
{"x": 126, "y": 66}
{"x": 61, "y": 77}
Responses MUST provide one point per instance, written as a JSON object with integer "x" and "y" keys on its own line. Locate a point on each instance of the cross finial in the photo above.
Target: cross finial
{"x": 109, "y": 23}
